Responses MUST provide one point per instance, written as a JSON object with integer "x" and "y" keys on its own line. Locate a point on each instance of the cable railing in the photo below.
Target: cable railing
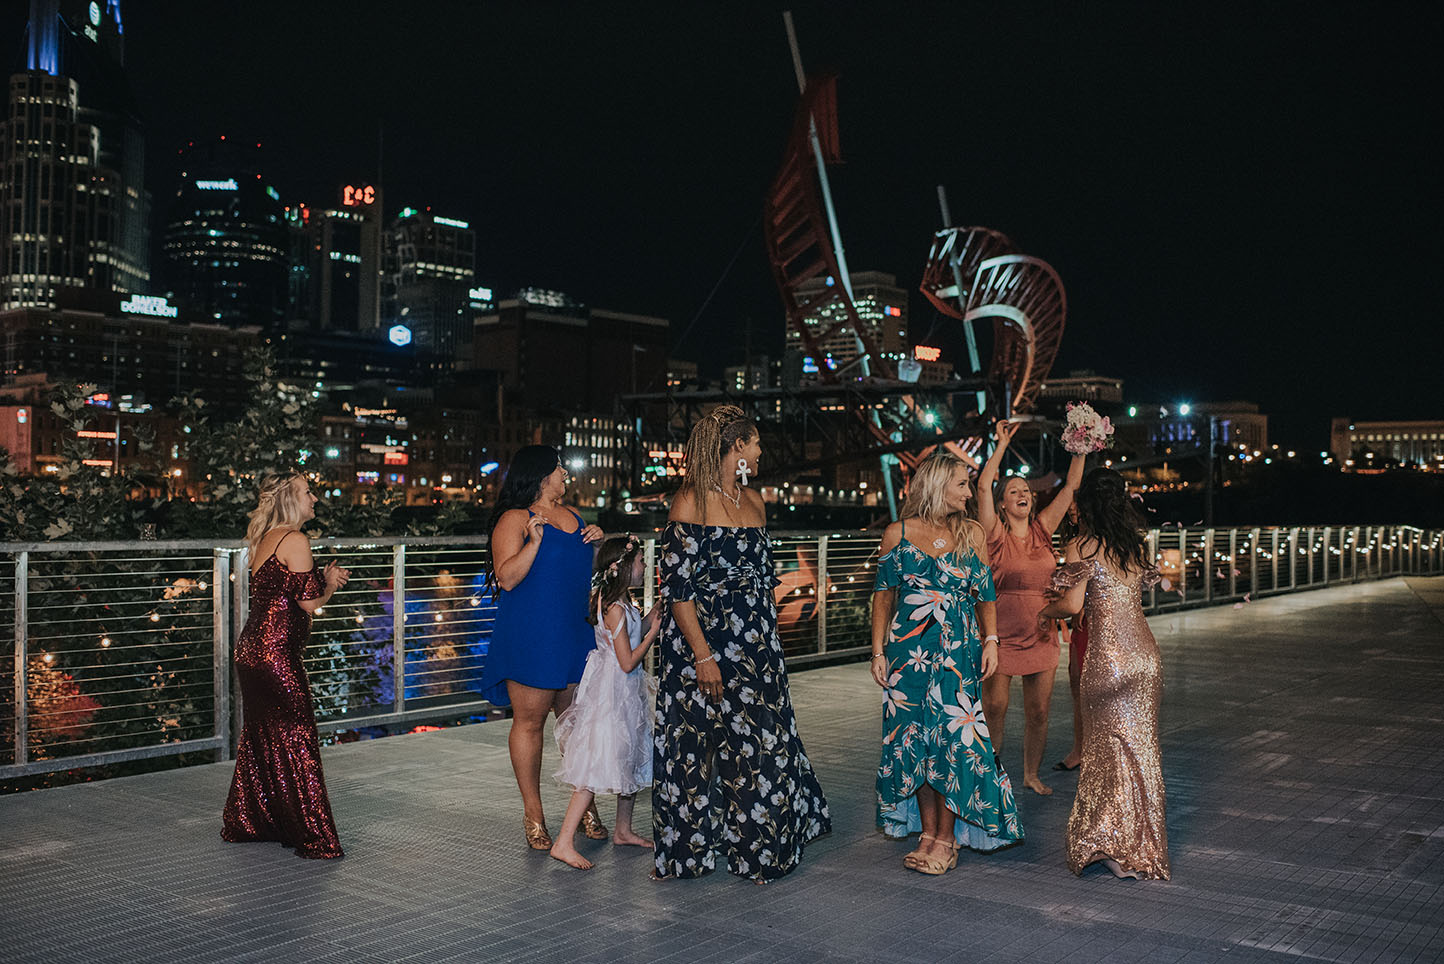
{"x": 121, "y": 651}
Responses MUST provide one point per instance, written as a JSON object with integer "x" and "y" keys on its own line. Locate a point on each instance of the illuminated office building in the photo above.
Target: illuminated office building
{"x": 882, "y": 307}
{"x": 430, "y": 287}
{"x": 337, "y": 262}
{"x": 226, "y": 241}
{"x": 73, "y": 209}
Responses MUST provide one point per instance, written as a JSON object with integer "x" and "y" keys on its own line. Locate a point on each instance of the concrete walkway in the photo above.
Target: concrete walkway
{"x": 1303, "y": 749}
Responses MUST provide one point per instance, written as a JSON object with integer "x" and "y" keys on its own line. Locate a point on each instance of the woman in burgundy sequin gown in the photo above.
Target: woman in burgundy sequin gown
{"x": 278, "y": 792}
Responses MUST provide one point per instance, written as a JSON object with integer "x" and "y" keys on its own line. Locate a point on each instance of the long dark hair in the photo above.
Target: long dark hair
{"x": 520, "y": 488}
{"x": 612, "y": 580}
{"x": 1107, "y": 515}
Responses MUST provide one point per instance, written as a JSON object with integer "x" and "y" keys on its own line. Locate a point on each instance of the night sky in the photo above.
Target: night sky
{"x": 1242, "y": 200}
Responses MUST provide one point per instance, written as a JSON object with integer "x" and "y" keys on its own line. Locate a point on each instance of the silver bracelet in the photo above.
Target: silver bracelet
{"x": 707, "y": 659}
{"x": 990, "y": 638}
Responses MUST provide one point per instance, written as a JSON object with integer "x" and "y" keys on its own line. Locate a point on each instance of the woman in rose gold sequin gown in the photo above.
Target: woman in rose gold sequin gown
{"x": 1119, "y": 813}
{"x": 279, "y": 792}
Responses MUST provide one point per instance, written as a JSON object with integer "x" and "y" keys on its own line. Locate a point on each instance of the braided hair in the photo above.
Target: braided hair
{"x": 712, "y": 437}
{"x": 276, "y": 505}
{"x": 1107, "y": 515}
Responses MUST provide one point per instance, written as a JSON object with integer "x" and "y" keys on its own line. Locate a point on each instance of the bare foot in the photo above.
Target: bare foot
{"x": 570, "y": 857}
{"x": 1071, "y": 761}
{"x": 1037, "y": 786}
{"x": 624, "y": 837}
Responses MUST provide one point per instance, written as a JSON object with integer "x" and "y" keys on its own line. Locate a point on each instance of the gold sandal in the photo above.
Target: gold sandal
{"x": 936, "y": 866}
{"x": 592, "y": 826}
{"x": 910, "y": 860}
{"x": 537, "y": 837}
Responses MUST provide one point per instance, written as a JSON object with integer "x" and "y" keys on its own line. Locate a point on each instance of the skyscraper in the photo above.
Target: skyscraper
{"x": 73, "y": 209}
{"x": 226, "y": 239}
{"x": 881, "y": 306}
{"x": 430, "y": 284}
{"x": 342, "y": 280}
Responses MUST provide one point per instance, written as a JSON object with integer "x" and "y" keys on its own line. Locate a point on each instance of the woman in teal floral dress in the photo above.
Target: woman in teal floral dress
{"x": 933, "y": 592}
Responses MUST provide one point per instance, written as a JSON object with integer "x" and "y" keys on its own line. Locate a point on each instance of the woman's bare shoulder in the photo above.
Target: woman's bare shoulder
{"x": 684, "y": 507}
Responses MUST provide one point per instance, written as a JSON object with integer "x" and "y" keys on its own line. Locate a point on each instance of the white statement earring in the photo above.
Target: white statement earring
{"x": 743, "y": 470}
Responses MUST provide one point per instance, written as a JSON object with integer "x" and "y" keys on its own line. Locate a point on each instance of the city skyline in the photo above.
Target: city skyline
{"x": 1209, "y": 191}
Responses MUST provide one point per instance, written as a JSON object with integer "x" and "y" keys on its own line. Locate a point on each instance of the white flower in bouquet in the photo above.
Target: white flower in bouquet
{"x": 1086, "y": 431}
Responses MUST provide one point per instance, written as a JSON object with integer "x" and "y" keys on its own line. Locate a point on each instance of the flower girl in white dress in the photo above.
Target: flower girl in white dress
{"x": 606, "y": 734}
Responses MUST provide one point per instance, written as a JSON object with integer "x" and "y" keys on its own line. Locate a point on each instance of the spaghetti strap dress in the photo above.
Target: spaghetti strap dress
{"x": 1022, "y": 569}
{"x": 541, "y": 636}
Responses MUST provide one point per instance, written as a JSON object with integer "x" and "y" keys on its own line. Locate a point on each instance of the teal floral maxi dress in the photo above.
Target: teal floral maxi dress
{"x": 732, "y": 780}
{"x": 933, "y": 726}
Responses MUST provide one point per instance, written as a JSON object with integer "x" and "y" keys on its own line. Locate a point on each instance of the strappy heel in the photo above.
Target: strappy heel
{"x": 537, "y": 837}
{"x": 593, "y": 827}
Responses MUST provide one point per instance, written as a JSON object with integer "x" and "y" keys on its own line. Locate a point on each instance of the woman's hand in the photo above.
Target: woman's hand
{"x": 593, "y": 534}
{"x": 709, "y": 680}
{"x": 535, "y": 527}
{"x": 879, "y": 668}
{"x": 989, "y": 662}
{"x": 1003, "y": 432}
{"x": 653, "y": 619}
{"x": 335, "y": 576}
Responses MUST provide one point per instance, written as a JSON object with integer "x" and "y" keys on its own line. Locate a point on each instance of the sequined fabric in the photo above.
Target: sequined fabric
{"x": 278, "y": 792}
{"x": 1120, "y": 807}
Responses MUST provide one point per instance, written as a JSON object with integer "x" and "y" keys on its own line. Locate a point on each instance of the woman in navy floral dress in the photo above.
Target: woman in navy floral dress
{"x": 732, "y": 778}
{"x": 934, "y": 593}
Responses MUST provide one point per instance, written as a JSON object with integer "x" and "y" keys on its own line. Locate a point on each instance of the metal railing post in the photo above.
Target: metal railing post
{"x": 1208, "y": 561}
{"x": 1293, "y": 563}
{"x": 398, "y": 628}
{"x": 1232, "y": 563}
{"x": 822, "y": 586}
{"x": 22, "y": 619}
{"x": 1354, "y": 562}
{"x": 1154, "y": 554}
{"x": 240, "y": 583}
{"x": 1182, "y": 566}
{"x": 221, "y": 649}
{"x": 649, "y": 591}
{"x": 1328, "y": 550}
{"x": 1274, "y": 557}
{"x": 1253, "y": 551}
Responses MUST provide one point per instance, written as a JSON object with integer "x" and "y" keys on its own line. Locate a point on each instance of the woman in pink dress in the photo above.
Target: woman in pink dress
{"x": 1020, "y": 552}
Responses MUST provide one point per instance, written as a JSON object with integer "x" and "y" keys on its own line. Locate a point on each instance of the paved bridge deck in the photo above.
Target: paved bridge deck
{"x": 1303, "y": 742}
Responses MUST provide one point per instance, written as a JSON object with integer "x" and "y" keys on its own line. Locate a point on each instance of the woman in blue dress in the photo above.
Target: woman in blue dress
{"x": 933, "y": 595}
{"x": 541, "y": 561}
{"x": 732, "y": 780}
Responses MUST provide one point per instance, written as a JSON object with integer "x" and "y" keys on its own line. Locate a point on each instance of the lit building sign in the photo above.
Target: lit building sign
{"x": 229, "y": 184}
{"x": 452, "y": 223}
{"x": 149, "y": 305}
{"x": 21, "y": 416}
{"x": 358, "y": 195}
{"x": 92, "y": 433}
{"x": 480, "y": 294}
{"x": 395, "y": 458}
{"x": 399, "y": 335}
{"x": 90, "y": 30}
{"x": 926, "y": 353}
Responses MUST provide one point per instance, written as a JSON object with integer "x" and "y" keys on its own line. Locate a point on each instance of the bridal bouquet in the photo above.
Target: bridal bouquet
{"x": 1086, "y": 431}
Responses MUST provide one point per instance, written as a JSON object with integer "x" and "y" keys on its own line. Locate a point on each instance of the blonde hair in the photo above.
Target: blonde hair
{"x": 277, "y": 506}
{"x": 927, "y": 500}
{"x": 713, "y": 435}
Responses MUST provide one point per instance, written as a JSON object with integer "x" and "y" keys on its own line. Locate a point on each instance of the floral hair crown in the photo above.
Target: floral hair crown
{"x": 602, "y": 575}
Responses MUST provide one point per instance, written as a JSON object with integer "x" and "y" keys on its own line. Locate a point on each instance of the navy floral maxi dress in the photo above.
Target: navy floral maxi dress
{"x": 731, "y": 777}
{"x": 933, "y": 726}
